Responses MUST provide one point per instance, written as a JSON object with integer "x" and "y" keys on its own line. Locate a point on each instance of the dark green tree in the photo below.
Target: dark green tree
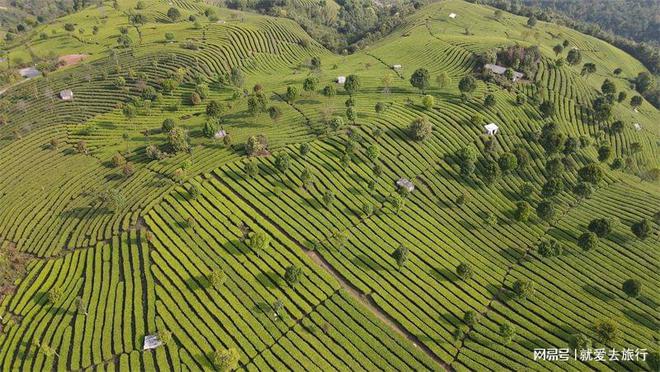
{"x": 464, "y": 271}
{"x": 421, "y": 79}
{"x": 632, "y": 288}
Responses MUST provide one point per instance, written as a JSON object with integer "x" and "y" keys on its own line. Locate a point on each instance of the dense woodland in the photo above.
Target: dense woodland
{"x": 638, "y": 20}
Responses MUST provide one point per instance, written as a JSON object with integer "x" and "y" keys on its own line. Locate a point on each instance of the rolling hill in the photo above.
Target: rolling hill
{"x": 264, "y": 217}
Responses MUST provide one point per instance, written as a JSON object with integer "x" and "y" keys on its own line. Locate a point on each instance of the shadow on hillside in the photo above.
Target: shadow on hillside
{"x": 268, "y": 280}
{"x": 598, "y": 292}
{"x": 641, "y": 318}
{"x": 194, "y": 282}
{"x": 442, "y": 274}
{"x": 367, "y": 263}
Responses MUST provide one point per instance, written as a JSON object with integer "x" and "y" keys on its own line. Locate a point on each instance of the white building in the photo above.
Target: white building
{"x": 405, "y": 184}
{"x": 151, "y": 342}
{"x": 637, "y": 126}
{"x": 491, "y": 129}
{"x": 66, "y": 95}
{"x": 396, "y": 67}
{"x": 452, "y": 15}
{"x": 220, "y": 134}
{"x": 500, "y": 70}
{"x": 341, "y": 79}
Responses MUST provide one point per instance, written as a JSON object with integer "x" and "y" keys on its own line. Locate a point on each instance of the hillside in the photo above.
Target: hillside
{"x": 264, "y": 217}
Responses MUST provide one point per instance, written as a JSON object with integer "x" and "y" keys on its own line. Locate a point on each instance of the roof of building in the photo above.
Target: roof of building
{"x": 406, "y": 184}
{"x": 151, "y": 342}
{"x": 66, "y": 94}
{"x": 220, "y": 134}
{"x": 452, "y": 15}
{"x": 29, "y": 72}
{"x": 501, "y": 70}
{"x": 491, "y": 126}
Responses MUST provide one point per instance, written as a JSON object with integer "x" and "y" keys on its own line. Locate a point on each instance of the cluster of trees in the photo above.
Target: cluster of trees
{"x": 346, "y": 28}
{"x": 647, "y": 53}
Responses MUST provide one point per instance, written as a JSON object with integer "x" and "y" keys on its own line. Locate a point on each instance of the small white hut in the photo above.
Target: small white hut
{"x": 341, "y": 79}
{"x": 491, "y": 129}
{"x": 151, "y": 342}
{"x": 637, "y": 126}
{"x": 452, "y": 15}
{"x": 66, "y": 95}
{"x": 406, "y": 184}
{"x": 396, "y": 67}
{"x": 220, "y": 134}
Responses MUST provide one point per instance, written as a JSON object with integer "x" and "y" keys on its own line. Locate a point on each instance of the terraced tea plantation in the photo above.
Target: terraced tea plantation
{"x": 212, "y": 189}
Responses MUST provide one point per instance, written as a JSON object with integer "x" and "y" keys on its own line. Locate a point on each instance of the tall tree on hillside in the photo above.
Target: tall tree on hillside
{"x": 401, "y": 256}
{"x": 557, "y": 49}
{"x": 226, "y": 360}
{"x": 588, "y": 68}
{"x": 574, "y": 57}
{"x": 352, "y": 84}
{"x": 467, "y": 85}
{"x": 421, "y": 79}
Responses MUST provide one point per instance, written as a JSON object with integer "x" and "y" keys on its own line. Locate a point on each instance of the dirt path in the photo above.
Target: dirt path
{"x": 371, "y": 305}
{"x": 365, "y": 300}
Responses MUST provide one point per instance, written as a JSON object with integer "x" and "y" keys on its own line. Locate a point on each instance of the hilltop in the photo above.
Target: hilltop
{"x": 212, "y": 183}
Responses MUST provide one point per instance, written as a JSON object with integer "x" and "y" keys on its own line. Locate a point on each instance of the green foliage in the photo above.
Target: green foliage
{"x": 507, "y": 332}
{"x": 329, "y": 91}
{"x": 464, "y": 271}
{"x": 580, "y": 341}
{"x": 420, "y": 128}
{"x": 367, "y": 209}
{"x": 256, "y": 145}
{"x": 545, "y": 210}
{"x": 401, "y": 255}
{"x": 210, "y": 128}
{"x": 489, "y": 100}
{"x": 550, "y": 248}
{"x": 600, "y": 226}
{"x": 251, "y": 168}
{"x": 467, "y": 85}
{"x": 214, "y": 109}
{"x": 523, "y": 289}
{"x": 523, "y": 211}
{"x": 632, "y": 287}
{"x": 421, "y": 79}
{"x": 641, "y": 229}
{"x": 292, "y": 275}
{"x": 588, "y": 241}
{"x": 591, "y": 173}
{"x": 553, "y": 187}
{"x": 328, "y": 198}
{"x": 282, "y": 162}
{"x": 226, "y": 360}
{"x": 471, "y": 318}
{"x": 173, "y": 14}
{"x": 217, "y": 278}
{"x": 352, "y": 84}
{"x": 310, "y": 84}
{"x": 428, "y": 101}
{"x": 607, "y": 330}
{"x": 259, "y": 242}
{"x": 177, "y": 138}
{"x": 55, "y": 295}
{"x": 491, "y": 171}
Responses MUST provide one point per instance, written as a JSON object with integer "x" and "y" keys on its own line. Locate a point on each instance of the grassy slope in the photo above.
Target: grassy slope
{"x": 426, "y": 297}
